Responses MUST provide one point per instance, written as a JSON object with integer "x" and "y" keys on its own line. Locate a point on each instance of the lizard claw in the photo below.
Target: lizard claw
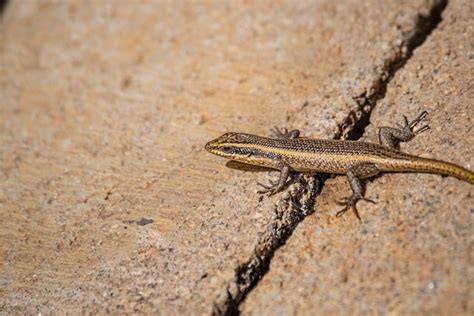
{"x": 344, "y": 200}
{"x": 271, "y": 189}
{"x": 421, "y": 130}
{"x": 284, "y": 133}
{"x": 350, "y": 203}
{"x": 415, "y": 122}
{"x": 276, "y": 132}
{"x": 409, "y": 127}
{"x": 368, "y": 200}
{"x": 345, "y": 209}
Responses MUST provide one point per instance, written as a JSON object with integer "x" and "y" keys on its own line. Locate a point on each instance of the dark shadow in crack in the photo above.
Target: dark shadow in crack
{"x": 3, "y": 6}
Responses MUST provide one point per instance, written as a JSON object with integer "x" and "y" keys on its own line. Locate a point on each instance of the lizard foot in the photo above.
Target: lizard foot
{"x": 350, "y": 203}
{"x": 284, "y": 133}
{"x": 271, "y": 189}
{"x": 409, "y": 127}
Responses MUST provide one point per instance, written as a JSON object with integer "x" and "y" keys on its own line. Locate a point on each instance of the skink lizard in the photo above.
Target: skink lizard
{"x": 288, "y": 152}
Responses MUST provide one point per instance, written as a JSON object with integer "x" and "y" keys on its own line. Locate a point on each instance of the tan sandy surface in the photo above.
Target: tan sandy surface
{"x": 109, "y": 203}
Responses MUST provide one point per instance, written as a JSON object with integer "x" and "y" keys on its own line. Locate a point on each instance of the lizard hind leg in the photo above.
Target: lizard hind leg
{"x": 354, "y": 175}
{"x": 391, "y": 137}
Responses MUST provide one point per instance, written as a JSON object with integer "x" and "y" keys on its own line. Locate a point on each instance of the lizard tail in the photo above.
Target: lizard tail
{"x": 427, "y": 165}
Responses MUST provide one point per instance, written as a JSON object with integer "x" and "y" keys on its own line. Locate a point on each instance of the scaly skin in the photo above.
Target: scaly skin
{"x": 358, "y": 160}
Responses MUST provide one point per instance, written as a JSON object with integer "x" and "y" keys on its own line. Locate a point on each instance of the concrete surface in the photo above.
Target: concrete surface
{"x": 412, "y": 252}
{"x": 108, "y": 202}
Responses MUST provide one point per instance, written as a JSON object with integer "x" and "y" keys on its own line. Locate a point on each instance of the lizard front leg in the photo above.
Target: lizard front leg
{"x": 275, "y": 187}
{"x": 354, "y": 175}
{"x": 284, "y": 134}
{"x": 391, "y": 137}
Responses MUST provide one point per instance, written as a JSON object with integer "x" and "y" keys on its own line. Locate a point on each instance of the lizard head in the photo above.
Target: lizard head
{"x": 229, "y": 145}
{"x": 246, "y": 148}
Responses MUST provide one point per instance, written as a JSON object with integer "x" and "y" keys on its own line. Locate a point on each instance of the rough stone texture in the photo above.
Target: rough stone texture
{"x": 411, "y": 252}
{"x": 105, "y": 111}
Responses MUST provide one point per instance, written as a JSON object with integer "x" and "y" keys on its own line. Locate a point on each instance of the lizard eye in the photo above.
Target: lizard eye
{"x": 226, "y": 149}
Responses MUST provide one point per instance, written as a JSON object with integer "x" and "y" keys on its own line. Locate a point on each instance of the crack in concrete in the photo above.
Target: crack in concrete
{"x": 295, "y": 206}
{"x": 354, "y": 125}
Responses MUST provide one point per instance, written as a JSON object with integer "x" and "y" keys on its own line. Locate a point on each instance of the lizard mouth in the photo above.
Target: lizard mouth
{"x": 211, "y": 147}
{"x": 217, "y": 148}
